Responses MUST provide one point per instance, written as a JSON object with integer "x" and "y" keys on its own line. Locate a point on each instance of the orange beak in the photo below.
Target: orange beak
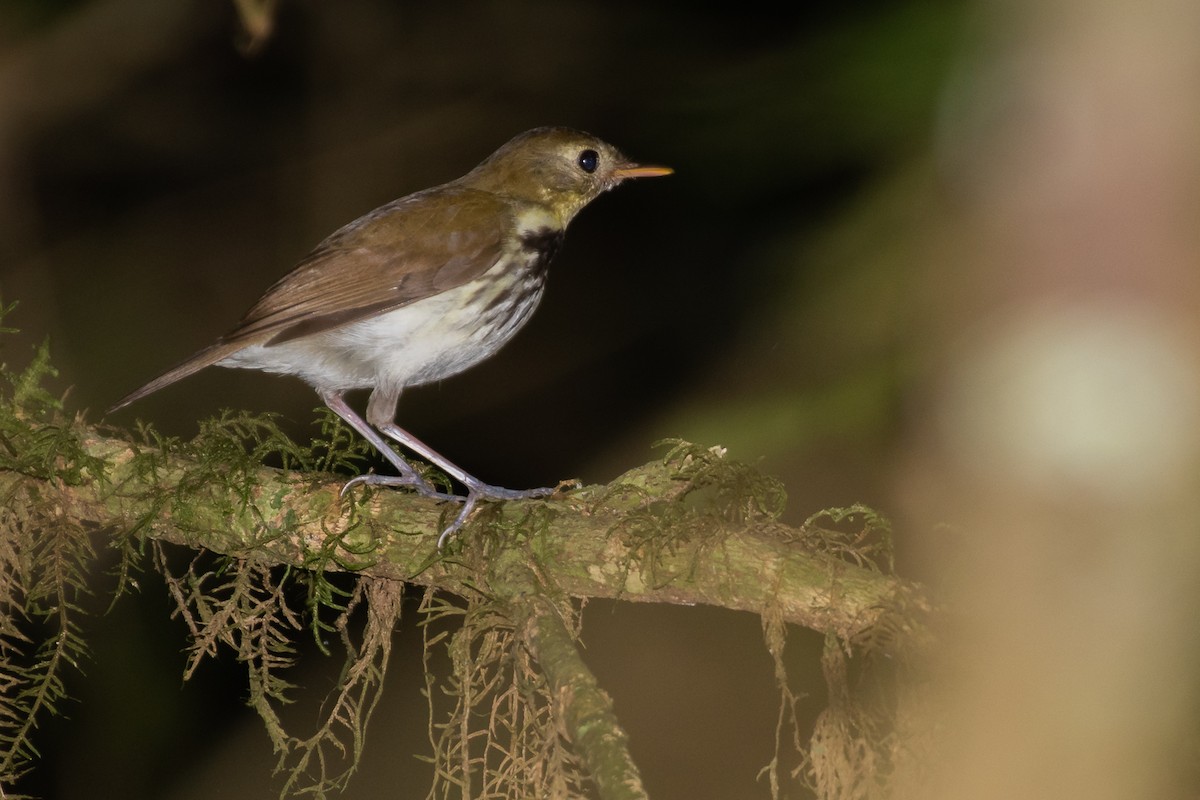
{"x": 639, "y": 171}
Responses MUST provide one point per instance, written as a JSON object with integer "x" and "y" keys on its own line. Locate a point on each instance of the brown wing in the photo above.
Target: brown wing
{"x": 398, "y": 254}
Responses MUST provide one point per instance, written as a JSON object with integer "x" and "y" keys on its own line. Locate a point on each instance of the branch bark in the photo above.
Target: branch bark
{"x": 629, "y": 539}
{"x": 586, "y": 711}
{"x": 689, "y": 528}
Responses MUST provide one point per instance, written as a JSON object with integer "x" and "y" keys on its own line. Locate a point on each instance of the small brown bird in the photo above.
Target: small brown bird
{"x": 420, "y": 289}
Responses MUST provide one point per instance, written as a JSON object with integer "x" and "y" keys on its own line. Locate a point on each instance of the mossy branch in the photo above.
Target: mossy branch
{"x": 692, "y": 527}
{"x": 644, "y": 537}
{"x": 584, "y": 709}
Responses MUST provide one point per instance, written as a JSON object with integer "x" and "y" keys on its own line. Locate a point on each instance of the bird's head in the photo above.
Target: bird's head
{"x": 560, "y": 168}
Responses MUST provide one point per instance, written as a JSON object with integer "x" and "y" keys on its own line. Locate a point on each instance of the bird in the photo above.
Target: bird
{"x": 420, "y": 289}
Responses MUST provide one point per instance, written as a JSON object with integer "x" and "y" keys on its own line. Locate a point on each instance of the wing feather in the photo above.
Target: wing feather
{"x": 405, "y": 251}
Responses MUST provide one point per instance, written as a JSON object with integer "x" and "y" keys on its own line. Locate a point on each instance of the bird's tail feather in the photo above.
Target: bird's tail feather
{"x": 206, "y": 357}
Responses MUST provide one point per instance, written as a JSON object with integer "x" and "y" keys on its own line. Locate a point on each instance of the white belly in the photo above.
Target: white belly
{"x": 426, "y": 341}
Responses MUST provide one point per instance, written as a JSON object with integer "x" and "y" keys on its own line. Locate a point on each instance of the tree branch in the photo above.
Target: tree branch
{"x": 584, "y": 708}
{"x": 690, "y": 528}
{"x": 635, "y": 539}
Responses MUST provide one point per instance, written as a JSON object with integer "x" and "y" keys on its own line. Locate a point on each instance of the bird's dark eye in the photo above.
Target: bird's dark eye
{"x": 589, "y": 160}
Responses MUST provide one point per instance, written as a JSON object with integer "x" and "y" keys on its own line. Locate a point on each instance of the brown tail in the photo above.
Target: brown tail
{"x": 205, "y": 358}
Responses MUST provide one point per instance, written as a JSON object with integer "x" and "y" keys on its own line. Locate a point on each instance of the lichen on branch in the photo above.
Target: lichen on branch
{"x": 689, "y": 527}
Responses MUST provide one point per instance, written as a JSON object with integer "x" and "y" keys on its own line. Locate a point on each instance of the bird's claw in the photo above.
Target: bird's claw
{"x": 476, "y": 491}
{"x": 484, "y": 491}
{"x": 416, "y": 483}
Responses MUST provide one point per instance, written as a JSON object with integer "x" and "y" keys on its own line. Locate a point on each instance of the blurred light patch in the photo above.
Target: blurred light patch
{"x": 1094, "y": 398}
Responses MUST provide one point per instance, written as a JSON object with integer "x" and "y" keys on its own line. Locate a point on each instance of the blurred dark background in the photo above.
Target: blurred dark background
{"x": 157, "y": 174}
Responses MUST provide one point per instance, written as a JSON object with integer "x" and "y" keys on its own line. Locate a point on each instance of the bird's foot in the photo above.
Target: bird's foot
{"x": 414, "y": 482}
{"x": 477, "y": 491}
{"x": 487, "y": 492}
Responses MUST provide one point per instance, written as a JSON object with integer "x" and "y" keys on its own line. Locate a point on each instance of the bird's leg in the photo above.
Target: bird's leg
{"x": 381, "y": 410}
{"x": 476, "y": 489}
{"x": 407, "y": 477}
